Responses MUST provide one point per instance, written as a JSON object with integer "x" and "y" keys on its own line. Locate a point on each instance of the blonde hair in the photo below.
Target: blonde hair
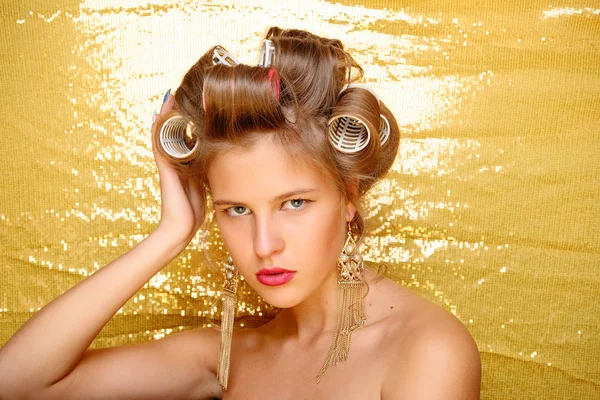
{"x": 236, "y": 105}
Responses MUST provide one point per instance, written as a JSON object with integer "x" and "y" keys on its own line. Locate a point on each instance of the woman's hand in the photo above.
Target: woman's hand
{"x": 180, "y": 198}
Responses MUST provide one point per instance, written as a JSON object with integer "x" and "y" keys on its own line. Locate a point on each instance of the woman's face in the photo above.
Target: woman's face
{"x": 272, "y": 213}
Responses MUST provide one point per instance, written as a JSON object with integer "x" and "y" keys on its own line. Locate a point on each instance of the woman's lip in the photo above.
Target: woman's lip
{"x": 275, "y": 279}
{"x": 272, "y": 271}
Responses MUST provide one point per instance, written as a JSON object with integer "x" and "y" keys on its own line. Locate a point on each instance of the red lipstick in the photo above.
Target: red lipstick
{"x": 274, "y": 276}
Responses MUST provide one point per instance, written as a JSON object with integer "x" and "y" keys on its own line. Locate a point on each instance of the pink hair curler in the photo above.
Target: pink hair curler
{"x": 174, "y": 131}
{"x": 274, "y": 81}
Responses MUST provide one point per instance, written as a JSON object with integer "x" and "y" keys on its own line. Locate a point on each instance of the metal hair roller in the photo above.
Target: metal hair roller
{"x": 172, "y": 137}
{"x": 349, "y": 134}
{"x": 222, "y": 56}
{"x": 267, "y": 51}
{"x": 174, "y": 130}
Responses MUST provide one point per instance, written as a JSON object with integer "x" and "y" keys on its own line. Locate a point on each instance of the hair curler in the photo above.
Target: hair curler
{"x": 273, "y": 78}
{"x": 175, "y": 130}
{"x": 267, "y": 51}
{"x": 384, "y": 130}
{"x": 350, "y": 134}
{"x": 173, "y": 134}
{"x": 222, "y": 56}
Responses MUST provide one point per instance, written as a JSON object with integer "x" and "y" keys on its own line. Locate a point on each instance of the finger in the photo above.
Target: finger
{"x": 155, "y": 118}
{"x": 168, "y": 103}
{"x": 161, "y": 161}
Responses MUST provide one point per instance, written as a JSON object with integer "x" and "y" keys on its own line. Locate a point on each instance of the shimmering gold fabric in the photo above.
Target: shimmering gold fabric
{"x": 491, "y": 209}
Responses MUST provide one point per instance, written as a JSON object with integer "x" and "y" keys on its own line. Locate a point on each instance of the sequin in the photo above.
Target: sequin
{"x": 490, "y": 209}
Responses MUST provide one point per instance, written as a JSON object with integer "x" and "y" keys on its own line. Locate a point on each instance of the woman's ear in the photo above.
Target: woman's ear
{"x": 351, "y": 199}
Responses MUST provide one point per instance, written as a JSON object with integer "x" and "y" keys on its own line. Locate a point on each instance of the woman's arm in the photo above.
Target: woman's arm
{"x": 51, "y": 344}
{"x": 47, "y": 357}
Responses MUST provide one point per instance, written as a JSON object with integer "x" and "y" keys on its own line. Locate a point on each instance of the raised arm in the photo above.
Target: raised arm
{"x": 48, "y": 357}
{"x": 47, "y": 354}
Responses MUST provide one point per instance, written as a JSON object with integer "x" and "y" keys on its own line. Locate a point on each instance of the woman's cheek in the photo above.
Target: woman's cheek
{"x": 322, "y": 233}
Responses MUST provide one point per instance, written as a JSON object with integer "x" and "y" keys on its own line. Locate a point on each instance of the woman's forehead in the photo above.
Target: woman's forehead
{"x": 264, "y": 169}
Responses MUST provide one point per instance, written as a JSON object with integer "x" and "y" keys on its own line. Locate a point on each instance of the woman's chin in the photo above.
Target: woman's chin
{"x": 281, "y": 298}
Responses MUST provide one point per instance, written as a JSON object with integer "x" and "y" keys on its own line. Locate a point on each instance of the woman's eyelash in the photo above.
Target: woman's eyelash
{"x": 227, "y": 211}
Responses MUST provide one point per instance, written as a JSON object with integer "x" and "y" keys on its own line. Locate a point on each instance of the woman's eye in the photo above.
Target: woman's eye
{"x": 293, "y": 205}
{"x": 296, "y": 204}
{"x": 236, "y": 211}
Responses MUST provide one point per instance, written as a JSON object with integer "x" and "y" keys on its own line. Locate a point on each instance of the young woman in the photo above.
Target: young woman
{"x": 283, "y": 151}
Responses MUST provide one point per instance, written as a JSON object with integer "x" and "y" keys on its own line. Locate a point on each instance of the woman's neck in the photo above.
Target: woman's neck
{"x": 316, "y": 316}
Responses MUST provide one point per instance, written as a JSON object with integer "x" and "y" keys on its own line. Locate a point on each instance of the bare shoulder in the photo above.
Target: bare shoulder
{"x": 436, "y": 355}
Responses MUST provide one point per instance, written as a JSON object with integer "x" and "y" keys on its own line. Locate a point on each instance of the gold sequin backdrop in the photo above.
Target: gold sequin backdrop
{"x": 490, "y": 209}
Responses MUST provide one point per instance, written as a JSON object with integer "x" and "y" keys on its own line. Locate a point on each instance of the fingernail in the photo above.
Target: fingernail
{"x": 154, "y": 117}
{"x": 166, "y": 95}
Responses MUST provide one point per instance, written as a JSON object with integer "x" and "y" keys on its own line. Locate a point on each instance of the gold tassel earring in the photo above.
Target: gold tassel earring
{"x": 229, "y": 304}
{"x": 350, "y": 307}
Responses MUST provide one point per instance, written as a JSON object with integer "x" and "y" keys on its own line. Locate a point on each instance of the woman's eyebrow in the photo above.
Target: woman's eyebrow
{"x": 222, "y": 202}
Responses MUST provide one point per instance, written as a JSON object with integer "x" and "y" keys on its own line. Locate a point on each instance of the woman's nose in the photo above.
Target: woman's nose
{"x": 267, "y": 237}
